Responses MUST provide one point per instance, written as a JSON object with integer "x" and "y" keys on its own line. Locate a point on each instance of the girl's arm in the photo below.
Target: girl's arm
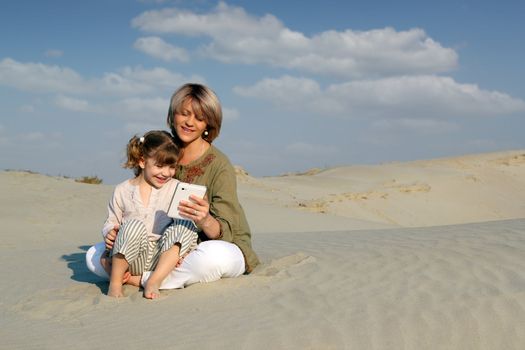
{"x": 114, "y": 218}
{"x": 110, "y": 238}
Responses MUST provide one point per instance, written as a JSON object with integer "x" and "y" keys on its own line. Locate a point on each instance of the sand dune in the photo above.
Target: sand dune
{"x": 420, "y": 255}
{"x": 457, "y": 190}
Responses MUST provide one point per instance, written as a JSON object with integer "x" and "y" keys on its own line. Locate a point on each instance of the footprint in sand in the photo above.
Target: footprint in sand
{"x": 279, "y": 267}
{"x": 472, "y": 178}
{"x": 318, "y": 206}
{"x": 64, "y": 303}
{"x": 322, "y": 205}
{"x": 515, "y": 160}
{"x": 413, "y": 188}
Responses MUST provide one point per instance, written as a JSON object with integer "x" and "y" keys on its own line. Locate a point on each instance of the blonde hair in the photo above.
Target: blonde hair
{"x": 157, "y": 144}
{"x": 205, "y": 104}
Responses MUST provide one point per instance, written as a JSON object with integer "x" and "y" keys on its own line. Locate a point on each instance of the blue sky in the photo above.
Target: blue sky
{"x": 303, "y": 83}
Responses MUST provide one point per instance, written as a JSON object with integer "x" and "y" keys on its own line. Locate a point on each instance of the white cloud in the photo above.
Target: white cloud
{"x": 131, "y": 93}
{"x": 158, "y": 48}
{"x": 424, "y": 126}
{"x": 54, "y": 53}
{"x": 118, "y": 84}
{"x": 237, "y": 36}
{"x": 285, "y": 91}
{"x": 32, "y": 136}
{"x": 230, "y": 113}
{"x": 39, "y": 77}
{"x": 410, "y": 97}
{"x": 72, "y": 104}
{"x": 153, "y": 109}
{"x": 427, "y": 95}
{"x": 158, "y": 77}
{"x": 26, "y": 109}
{"x": 139, "y": 128}
{"x": 128, "y": 81}
{"x": 31, "y": 139}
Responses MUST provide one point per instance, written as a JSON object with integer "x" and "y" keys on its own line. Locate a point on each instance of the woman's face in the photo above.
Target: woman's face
{"x": 189, "y": 127}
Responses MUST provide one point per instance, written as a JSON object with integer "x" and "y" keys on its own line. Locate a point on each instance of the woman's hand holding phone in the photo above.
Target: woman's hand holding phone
{"x": 196, "y": 209}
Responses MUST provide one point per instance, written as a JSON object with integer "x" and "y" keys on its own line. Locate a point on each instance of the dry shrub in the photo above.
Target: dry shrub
{"x": 93, "y": 180}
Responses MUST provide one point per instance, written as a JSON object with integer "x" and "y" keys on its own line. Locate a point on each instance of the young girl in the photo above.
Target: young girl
{"x": 138, "y": 234}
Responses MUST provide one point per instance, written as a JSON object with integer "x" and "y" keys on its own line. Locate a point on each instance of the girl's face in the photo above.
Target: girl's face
{"x": 189, "y": 127}
{"x": 156, "y": 176}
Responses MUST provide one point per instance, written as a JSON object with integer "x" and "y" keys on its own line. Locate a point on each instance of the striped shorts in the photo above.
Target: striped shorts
{"x": 143, "y": 254}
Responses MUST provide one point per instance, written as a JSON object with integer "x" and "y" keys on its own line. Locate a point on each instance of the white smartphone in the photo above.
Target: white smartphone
{"x": 182, "y": 193}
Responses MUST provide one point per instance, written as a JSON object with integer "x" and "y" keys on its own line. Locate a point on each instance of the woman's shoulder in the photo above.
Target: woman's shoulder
{"x": 220, "y": 159}
{"x": 221, "y": 165}
{"x": 212, "y": 164}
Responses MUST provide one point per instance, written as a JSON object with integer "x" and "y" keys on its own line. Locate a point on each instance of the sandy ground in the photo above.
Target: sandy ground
{"x": 420, "y": 255}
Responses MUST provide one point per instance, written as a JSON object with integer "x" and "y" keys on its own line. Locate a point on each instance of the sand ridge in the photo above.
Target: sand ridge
{"x": 456, "y": 190}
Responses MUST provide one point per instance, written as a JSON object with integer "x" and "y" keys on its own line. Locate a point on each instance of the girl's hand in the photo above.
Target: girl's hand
{"x": 110, "y": 237}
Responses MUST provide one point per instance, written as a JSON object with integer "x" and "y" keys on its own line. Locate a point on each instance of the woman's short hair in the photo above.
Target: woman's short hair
{"x": 205, "y": 104}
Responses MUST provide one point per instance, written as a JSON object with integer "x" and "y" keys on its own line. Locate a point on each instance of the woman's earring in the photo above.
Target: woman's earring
{"x": 205, "y": 133}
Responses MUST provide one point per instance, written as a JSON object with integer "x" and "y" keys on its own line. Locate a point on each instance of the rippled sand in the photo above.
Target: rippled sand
{"x": 350, "y": 274}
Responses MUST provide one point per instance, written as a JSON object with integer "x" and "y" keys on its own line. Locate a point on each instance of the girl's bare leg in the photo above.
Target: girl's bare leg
{"x": 105, "y": 261}
{"x": 134, "y": 280}
{"x": 119, "y": 267}
{"x": 167, "y": 262}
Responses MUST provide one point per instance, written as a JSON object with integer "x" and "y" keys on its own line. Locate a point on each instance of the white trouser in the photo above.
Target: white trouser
{"x": 210, "y": 261}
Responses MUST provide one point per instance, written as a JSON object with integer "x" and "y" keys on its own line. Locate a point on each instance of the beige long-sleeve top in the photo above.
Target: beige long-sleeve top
{"x": 126, "y": 204}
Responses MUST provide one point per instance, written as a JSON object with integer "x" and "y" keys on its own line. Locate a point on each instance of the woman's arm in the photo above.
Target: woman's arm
{"x": 220, "y": 215}
{"x": 224, "y": 204}
{"x": 198, "y": 210}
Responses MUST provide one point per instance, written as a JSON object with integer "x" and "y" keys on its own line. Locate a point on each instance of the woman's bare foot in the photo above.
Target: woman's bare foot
{"x": 151, "y": 290}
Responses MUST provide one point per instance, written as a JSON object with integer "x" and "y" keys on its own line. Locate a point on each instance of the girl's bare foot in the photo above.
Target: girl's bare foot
{"x": 151, "y": 290}
{"x": 115, "y": 291}
{"x": 106, "y": 264}
{"x": 119, "y": 268}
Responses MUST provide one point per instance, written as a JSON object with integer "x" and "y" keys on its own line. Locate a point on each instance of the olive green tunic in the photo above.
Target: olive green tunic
{"x": 215, "y": 171}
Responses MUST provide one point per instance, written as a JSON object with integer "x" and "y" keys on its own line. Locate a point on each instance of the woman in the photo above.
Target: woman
{"x": 225, "y": 250}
